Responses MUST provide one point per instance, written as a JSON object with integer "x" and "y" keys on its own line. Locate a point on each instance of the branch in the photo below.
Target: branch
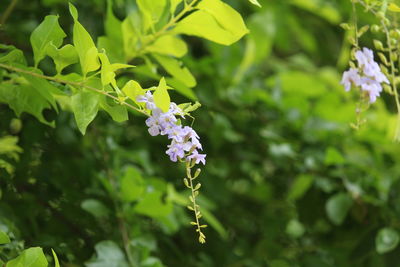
{"x": 77, "y": 84}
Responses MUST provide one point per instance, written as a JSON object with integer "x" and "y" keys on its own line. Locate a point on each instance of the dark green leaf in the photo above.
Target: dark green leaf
{"x": 337, "y": 207}
{"x": 387, "y": 240}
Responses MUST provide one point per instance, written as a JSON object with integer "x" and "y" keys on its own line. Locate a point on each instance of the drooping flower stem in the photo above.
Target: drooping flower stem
{"x": 189, "y": 182}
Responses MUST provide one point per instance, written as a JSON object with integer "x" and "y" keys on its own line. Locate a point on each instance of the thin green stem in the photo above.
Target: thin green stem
{"x": 8, "y": 12}
{"x": 166, "y": 27}
{"x": 355, "y": 23}
{"x": 194, "y": 207}
{"x": 76, "y": 84}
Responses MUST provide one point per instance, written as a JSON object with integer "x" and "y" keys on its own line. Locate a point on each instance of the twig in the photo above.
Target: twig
{"x": 77, "y": 84}
{"x": 8, "y": 11}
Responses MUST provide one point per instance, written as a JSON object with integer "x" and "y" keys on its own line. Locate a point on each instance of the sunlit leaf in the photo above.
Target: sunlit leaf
{"x": 31, "y": 257}
{"x": 161, "y": 96}
{"x": 84, "y": 45}
{"x": 49, "y": 31}
{"x": 62, "y": 57}
{"x": 168, "y": 45}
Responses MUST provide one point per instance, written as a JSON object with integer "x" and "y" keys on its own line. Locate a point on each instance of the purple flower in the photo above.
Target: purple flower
{"x": 184, "y": 140}
{"x": 373, "y": 88}
{"x": 368, "y": 77}
{"x": 147, "y": 99}
{"x": 175, "y": 151}
{"x": 364, "y": 57}
{"x": 198, "y": 157}
{"x": 349, "y": 77}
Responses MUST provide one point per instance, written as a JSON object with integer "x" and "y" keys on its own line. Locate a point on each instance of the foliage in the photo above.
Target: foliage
{"x": 288, "y": 182}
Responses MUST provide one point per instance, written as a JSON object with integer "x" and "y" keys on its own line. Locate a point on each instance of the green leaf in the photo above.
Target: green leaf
{"x": 12, "y": 55}
{"x": 62, "y": 57}
{"x": 108, "y": 70}
{"x": 161, "y": 96}
{"x": 227, "y": 17}
{"x": 169, "y": 45}
{"x": 333, "y": 156}
{"x": 4, "y": 239}
{"x": 49, "y": 31}
{"x": 84, "y": 45}
{"x": 85, "y": 106}
{"x": 203, "y": 24}
{"x": 113, "y": 25}
{"x": 130, "y": 35}
{"x": 175, "y": 68}
{"x": 337, "y": 207}
{"x": 9, "y": 146}
{"x": 95, "y": 207}
{"x": 132, "y": 185}
{"x": 300, "y": 186}
{"x": 181, "y": 88}
{"x": 44, "y": 88}
{"x": 173, "y": 5}
{"x": 31, "y": 257}
{"x": 108, "y": 254}
{"x": 118, "y": 112}
{"x": 393, "y": 7}
{"x": 56, "y": 262}
{"x": 151, "y": 10}
{"x": 132, "y": 89}
{"x": 386, "y": 240}
{"x": 255, "y": 2}
{"x": 153, "y": 205}
{"x": 24, "y": 98}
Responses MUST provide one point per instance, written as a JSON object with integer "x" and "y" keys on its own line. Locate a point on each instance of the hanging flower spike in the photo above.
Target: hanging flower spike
{"x": 184, "y": 147}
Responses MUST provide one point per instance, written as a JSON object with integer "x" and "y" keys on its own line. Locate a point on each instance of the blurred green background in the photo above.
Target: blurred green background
{"x": 287, "y": 181}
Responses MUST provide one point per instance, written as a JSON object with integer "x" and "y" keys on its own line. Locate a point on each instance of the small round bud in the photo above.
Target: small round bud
{"x": 375, "y": 28}
{"x": 15, "y": 126}
{"x": 378, "y": 45}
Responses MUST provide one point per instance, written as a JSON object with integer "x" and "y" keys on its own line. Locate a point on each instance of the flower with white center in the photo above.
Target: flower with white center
{"x": 198, "y": 157}
{"x": 350, "y": 77}
{"x": 368, "y": 76}
{"x": 184, "y": 140}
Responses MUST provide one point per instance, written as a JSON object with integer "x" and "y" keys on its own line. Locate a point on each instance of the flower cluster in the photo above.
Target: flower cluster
{"x": 368, "y": 76}
{"x": 184, "y": 140}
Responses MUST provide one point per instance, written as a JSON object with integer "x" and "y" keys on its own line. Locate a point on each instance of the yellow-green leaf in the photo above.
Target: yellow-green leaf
{"x": 62, "y": 57}
{"x": 151, "y": 11}
{"x": 161, "y": 96}
{"x": 255, "y": 2}
{"x": 168, "y": 45}
{"x": 56, "y": 262}
{"x": 226, "y": 16}
{"x": 132, "y": 89}
{"x": 175, "y": 68}
{"x": 203, "y": 24}
{"x": 393, "y": 7}
{"x": 49, "y": 31}
{"x": 108, "y": 70}
{"x": 84, "y": 45}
